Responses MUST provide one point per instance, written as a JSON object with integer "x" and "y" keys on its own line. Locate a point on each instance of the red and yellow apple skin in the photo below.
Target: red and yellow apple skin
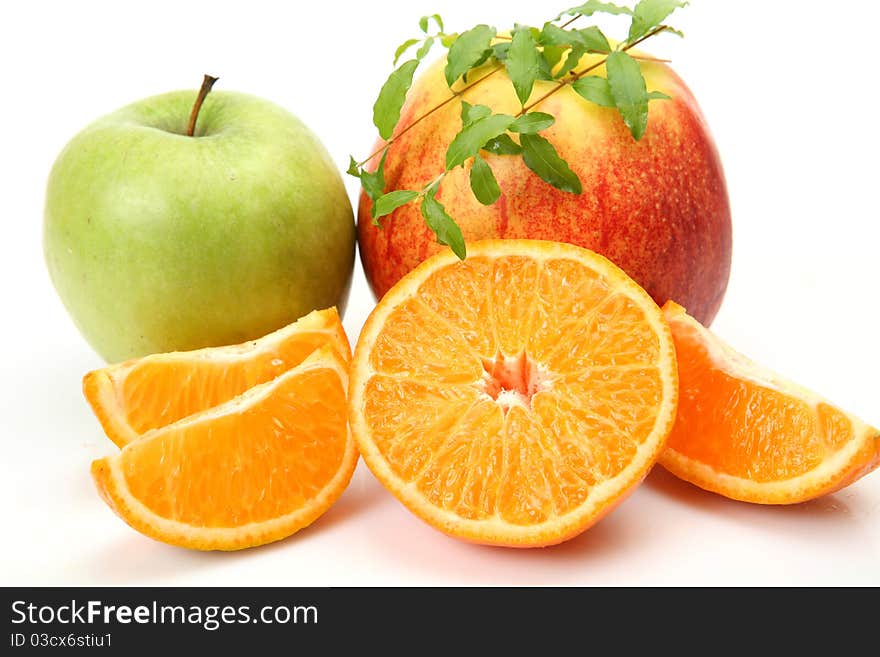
{"x": 657, "y": 207}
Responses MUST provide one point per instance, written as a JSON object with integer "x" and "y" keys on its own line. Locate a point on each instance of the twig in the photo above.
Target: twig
{"x": 580, "y": 74}
{"x": 455, "y": 94}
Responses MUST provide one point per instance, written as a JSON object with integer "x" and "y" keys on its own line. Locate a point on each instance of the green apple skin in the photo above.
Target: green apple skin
{"x": 157, "y": 241}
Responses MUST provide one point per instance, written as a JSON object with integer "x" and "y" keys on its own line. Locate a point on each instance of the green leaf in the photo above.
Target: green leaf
{"x": 444, "y": 226}
{"x": 545, "y": 71}
{"x": 499, "y": 50}
{"x": 503, "y": 145}
{"x": 423, "y": 22}
{"x": 523, "y": 64}
{"x": 403, "y": 47}
{"x": 425, "y": 49}
{"x": 466, "y": 112}
{"x": 388, "y": 203}
{"x": 540, "y": 156}
{"x": 553, "y": 35}
{"x": 487, "y": 53}
{"x": 596, "y": 90}
{"x": 471, "y": 139}
{"x": 471, "y": 113}
{"x": 448, "y": 39}
{"x": 574, "y": 56}
{"x": 590, "y": 38}
{"x": 658, "y": 95}
{"x": 466, "y": 50}
{"x": 520, "y": 27}
{"x": 386, "y": 110}
{"x": 592, "y": 6}
{"x": 353, "y": 168}
{"x": 552, "y": 55}
{"x": 374, "y": 183}
{"x": 594, "y": 40}
{"x": 629, "y": 91}
{"x": 532, "y": 122}
{"x": 649, "y": 14}
{"x": 483, "y": 183}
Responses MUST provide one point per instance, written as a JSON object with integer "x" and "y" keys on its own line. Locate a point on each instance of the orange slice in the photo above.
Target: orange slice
{"x": 747, "y": 433}
{"x": 253, "y": 470}
{"x": 138, "y": 395}
{"x": 515, "y": 397}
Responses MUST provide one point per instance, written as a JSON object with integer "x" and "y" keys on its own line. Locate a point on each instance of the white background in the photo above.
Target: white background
{"x": 791, "y": 95}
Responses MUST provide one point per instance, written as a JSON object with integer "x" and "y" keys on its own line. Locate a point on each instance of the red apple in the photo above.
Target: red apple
{"x": 657, "y": 207}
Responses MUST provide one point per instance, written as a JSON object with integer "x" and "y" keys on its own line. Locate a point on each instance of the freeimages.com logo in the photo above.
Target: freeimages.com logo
{"x": 210, "y": 617}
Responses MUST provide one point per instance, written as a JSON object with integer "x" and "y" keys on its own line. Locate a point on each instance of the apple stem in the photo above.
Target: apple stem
{"x": 207, "y": 82}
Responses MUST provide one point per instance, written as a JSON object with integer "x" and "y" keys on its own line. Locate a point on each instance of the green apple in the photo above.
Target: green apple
{"x": 159, "y": 241}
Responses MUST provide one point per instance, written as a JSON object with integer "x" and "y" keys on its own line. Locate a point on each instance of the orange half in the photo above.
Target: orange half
{"x": 515, "y": 397}
{"x": 751, "y": 435}
{"x": 138, "y": 395}
{"x": 250, "y": 471}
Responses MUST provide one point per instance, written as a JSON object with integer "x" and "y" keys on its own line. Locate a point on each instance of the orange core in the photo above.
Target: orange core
{"x": 511, "y": 381}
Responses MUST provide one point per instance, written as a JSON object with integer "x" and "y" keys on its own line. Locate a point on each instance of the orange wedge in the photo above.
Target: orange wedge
{"x": 250, "y": 471}
{"x": 515, "y": 397}
{"x": 136, "y": 396}
{"x": 747, "y": 433}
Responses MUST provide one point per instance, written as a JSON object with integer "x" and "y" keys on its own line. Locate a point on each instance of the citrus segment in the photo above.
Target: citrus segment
{"x": 252, "y": 470}
{"x": 512, "y": 299}
{"x": 470, "y": 280}
{"x": 749, "y": 434}
{"x": 515, "y": 397}
{"x": 136, "y": 396}
{"x": 438, "y": 355}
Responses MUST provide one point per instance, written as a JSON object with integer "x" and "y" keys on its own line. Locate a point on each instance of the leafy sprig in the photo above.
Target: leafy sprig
{"x": 528, "y": 55}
